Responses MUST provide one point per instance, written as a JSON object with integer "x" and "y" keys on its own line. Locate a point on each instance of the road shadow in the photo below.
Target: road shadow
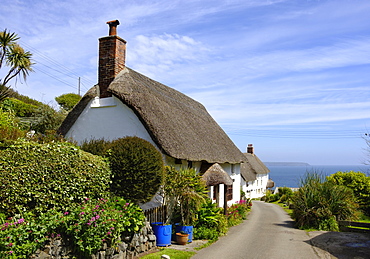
{"x": 342, "y": 245}
{"x": 287, "y": 224}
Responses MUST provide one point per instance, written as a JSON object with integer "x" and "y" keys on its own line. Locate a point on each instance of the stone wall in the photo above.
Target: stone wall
{"x": 129, "y": 247}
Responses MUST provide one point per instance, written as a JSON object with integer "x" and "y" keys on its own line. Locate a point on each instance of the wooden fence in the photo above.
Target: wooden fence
{"x": 157, "y": 214}
{"x": 351, "y": 226}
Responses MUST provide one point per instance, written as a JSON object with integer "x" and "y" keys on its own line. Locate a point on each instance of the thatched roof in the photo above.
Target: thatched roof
{"x": 180, "y": 126}
{"x": 251, "y": 167}
{"x": 270, "y": 183}
{"x": 216, "y": 175}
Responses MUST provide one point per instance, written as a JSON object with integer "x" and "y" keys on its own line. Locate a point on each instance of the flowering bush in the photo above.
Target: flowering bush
{"x": 103, "y": 221}
{"x": 89, "y": 225}
{"x": 237, "y": 212}
{"x": 20, "y": 236}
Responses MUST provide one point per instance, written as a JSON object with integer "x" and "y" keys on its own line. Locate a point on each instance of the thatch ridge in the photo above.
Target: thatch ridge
{"x": 180, "y": 126}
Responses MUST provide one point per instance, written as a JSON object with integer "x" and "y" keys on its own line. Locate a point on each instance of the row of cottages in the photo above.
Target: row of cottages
{"x": 127, "y": 103}
{"x": 255, "y": 175}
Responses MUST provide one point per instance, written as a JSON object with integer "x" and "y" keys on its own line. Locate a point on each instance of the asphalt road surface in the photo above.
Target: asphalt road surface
{"x": 268, "y": 233}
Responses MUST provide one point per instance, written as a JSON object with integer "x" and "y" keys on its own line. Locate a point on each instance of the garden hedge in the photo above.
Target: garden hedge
{"x": 38, "y": 177}
{"x": 137, "y": 167}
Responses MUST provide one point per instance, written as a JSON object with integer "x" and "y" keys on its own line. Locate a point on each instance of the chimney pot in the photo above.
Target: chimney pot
{"x": 113, "y": 27}
{"x": 250, "y": 149}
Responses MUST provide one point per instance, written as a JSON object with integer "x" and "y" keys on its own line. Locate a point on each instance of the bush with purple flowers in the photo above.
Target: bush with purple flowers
{"x": 89, "y": 225}
{"x": 20, "y": 236}
{"x": 95, "y": 222}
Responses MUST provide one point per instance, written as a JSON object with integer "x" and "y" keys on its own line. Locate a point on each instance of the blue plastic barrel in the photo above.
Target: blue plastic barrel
{"x": 162, "y": 233}
{"x": 187, "y": 230}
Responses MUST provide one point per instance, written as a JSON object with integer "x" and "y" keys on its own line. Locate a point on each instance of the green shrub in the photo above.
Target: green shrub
{"x": 42, "y": 176}
{"x": 204, "y": 233}
{"x": 319, "y": 204}
{"x": 359, "y": 183}
{"x": 9, "y": 129}
{"x": 137, "y": 168}
{"x": 22, "y": 235}
{"x": 89, "y": 226}
{"x": 211, "y": 222}
{"x": 20, "y": 109}
{"x": 270, "y": 197}
{"x": 45, "y": 118}
{"x": 104, "y": 221}
{"x": 96, "y": 146}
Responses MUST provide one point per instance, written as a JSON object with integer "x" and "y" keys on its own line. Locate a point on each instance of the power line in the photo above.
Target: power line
{"x": 57, "y": 78}
{"x": 319, "y": 134}
{"x": 44, "y": 60}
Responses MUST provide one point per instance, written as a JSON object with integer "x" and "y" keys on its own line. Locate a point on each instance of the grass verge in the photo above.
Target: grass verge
{"x": 172, "y": 253}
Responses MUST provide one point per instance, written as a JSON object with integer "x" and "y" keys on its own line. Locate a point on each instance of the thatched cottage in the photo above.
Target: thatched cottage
{"x": 127, "y": 103}
{"x": 255, "y": 175}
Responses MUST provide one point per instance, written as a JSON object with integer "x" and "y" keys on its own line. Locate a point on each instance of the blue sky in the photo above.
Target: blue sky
{"x": 291, "y": 77}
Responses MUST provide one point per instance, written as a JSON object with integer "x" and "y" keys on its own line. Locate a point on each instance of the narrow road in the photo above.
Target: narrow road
{"x": 267, "y": 233}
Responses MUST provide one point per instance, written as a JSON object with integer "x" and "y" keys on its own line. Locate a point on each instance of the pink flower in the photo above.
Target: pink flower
{"x": 66, "y": 213}
{"x": 82, "y": 213}
{"x": 10, "y": 252}
{"x": 10, "y": 244}
{"x": 20, "y": 221}
{"x": 109, "y": 233}
{"x": 97, "y": 216}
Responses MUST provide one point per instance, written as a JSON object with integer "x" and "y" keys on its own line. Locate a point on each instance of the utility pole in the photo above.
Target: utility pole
{"x": 79, "y": 85}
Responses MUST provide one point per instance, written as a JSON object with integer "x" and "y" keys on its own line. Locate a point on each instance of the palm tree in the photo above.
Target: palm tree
{"x": 15, "y": 57}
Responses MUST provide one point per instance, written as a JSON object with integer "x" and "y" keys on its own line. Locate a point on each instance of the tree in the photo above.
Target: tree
{"x": 13, "y": 56}
{"x": 68, "y": 101}
{"x": 360, "y": 185}
{"x": 45, "y": 119}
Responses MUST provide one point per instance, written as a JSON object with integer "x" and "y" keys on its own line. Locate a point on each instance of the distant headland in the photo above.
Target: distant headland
{"x": 286, "y": 164}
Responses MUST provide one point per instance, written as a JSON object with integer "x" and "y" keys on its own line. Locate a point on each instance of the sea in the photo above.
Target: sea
{"x": 291, "y": 175}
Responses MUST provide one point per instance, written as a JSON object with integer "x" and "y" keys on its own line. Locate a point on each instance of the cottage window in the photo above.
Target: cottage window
{"x": 229, "y": 192}
{"x": 178, "y": 161}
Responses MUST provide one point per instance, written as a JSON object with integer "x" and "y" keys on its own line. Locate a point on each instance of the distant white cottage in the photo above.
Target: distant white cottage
{"x": 127, "y": 103}
{"x": 255, "y": 175}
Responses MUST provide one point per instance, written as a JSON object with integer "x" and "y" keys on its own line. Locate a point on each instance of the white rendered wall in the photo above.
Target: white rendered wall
{"x": 234, "y": 172}
{"x": 256, "y": 188}
{"x": 107, "y": 118}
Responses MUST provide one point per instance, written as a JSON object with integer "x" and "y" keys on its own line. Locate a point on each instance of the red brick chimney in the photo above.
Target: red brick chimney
{"x": 112, "y": 56}
{"x": 250, "y": 149}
